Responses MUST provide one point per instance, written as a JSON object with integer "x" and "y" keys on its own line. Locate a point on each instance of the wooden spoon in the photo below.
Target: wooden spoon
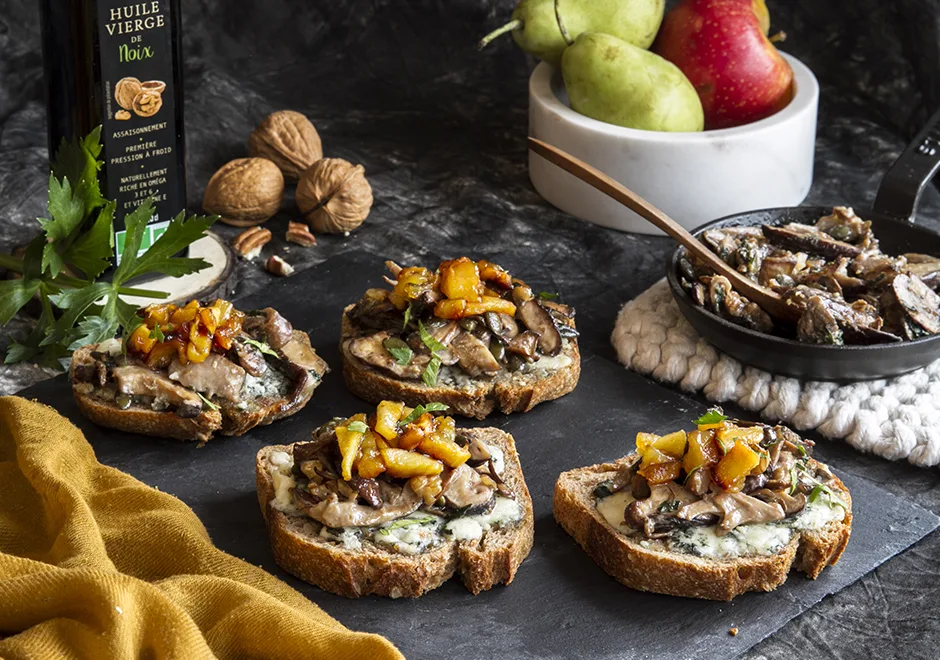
{"x": 768, "y": 300}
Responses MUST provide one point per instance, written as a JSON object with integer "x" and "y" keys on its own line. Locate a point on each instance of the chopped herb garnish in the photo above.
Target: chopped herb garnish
{"x": 357, "y": 426}
{"x": 429, "y": 376}
{"x": 801, "y": 449}
{"x": 206, "y": 401}
{"x": 261, "y": 346}
{"x": 398, "y": 350}
{"x": 430, "y": 373}
{"x": 405, "y": 522}
{"x": 429, "y": 341}
{"x": 407, "y": 317}
{"x": 794, "y": 479}
{"x": 547, "y": 295}
{"x": 420, "y": 410}
{"x": 157, "y": 334}
{"x": 816, "y": 492}
{"x": 713, "y": 416}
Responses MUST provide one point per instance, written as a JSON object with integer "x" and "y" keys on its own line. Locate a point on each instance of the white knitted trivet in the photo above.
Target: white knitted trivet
{"x": 894, "y": 418}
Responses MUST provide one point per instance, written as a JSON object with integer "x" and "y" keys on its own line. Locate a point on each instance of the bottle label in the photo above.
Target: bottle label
{"x": 139, "y": 119}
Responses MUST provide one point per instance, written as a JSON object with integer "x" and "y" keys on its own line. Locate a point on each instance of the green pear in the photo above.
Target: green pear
{"x": 612, "y": 81}
{"x": 535, "y": 23}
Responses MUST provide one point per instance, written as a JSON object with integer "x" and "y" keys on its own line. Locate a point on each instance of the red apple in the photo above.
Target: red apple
{"x": 720, "y": 45}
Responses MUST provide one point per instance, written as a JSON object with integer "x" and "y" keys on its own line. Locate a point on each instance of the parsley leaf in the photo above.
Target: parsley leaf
{"x": 398, "y": 350}
{"x": 358, "y": 427}
{"x": 179, "y": 233}
{"x": 261, "y": 346}
{"x": 420, "y": 410}
{"x": 713, "y": 416}
{"x": 157, "y": 334}
{"x": 13, "y": 295}
{"x": 91, "y": 252}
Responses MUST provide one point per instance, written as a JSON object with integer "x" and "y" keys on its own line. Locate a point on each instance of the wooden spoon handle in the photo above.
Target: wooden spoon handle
{"x": 767, "y": 299}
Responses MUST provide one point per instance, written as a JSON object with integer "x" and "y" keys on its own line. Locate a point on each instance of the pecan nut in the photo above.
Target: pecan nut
{"x": 248, "y": 244}
{"x": 277, "y": 266}
{"x": 299, "y": 233}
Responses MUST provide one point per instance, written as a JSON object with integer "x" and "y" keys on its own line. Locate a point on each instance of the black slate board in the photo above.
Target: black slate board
{"x": 561, "y": 604}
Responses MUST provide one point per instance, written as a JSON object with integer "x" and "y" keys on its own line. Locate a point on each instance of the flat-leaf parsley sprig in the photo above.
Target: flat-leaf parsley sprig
{"x": 62, "y": 265}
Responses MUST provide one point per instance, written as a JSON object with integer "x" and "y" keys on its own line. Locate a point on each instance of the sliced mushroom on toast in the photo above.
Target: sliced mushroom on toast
{"x": 395, "y": 503}
{"x": 726, "y": 508}
{"x": 190, "y": 372}
{"x": 467, "y": 334}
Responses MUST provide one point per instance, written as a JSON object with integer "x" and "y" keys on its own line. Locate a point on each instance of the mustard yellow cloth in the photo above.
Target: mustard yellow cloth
{"x": 95, "y": 564}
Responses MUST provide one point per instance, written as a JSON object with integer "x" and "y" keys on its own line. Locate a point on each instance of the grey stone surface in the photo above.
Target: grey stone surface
{"x": 440, "y": 129}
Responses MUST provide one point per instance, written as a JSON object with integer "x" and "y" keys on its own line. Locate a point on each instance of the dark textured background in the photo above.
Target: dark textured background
{"x": 399, "y": 87}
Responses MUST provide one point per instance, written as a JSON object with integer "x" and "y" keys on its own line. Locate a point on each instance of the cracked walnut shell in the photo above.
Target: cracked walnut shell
{"x": 148, "y": 103}
{"x": 245, "y": 192}
{"x": 125, "y": 91}
{"x": 334, "y": 196}
{"x": 289, "y": 140}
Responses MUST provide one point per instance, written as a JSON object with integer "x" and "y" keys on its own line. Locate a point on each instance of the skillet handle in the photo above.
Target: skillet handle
{"x": 905, "y": 180}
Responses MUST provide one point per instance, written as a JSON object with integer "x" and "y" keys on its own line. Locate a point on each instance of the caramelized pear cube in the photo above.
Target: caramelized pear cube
{"x": 673, "y": 444}
{"x": 404, "y": 464}
{"x": 349, "y": 443}
{"x": 660, "y": 473}
{"x": 452, "y": 454}
{"x": 370, "y": 463}
{"x": 460, "y": 278}
{"x": 736, "y": 465}
{"x": 703, "y": 451}
{"x": 386, "y": 418}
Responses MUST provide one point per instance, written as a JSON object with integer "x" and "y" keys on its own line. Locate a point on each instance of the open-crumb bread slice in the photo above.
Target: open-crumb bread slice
{"x": 652, "y": 567}
{"x": 225, "y": 417}
{"x": 477, "y": 398}
{"x": 373, "y": 569}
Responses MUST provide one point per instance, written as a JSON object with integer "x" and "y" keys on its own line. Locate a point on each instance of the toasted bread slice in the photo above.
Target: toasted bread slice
{"x": 646, "y": 567}
{"x": 373, "y": 569}
{"x": 479, "y": 398}
{"x": 226, "y": 419}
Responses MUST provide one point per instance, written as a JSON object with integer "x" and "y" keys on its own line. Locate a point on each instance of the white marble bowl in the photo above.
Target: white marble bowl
{"x": 693, "y": 177}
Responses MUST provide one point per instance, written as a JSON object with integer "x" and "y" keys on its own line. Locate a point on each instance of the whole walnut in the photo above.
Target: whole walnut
{"x": 289, "y": 140}
{"x": 334, "y": 196}
{"x": 125, "y": 91}
{"x": 245, "y": 192}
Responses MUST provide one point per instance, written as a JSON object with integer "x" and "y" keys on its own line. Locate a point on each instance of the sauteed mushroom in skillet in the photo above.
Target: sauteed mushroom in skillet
{"x": 846, "y": 290}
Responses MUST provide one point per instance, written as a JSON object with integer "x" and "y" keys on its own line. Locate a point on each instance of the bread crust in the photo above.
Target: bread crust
{"x": 494, "y": 559}
{"x": 227, "y": 420}
{"x": 680, "y": 574}
{"x": 374, "y": 386}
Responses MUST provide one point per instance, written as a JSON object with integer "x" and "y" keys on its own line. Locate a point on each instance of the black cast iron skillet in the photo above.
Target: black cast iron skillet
{"x": 893, "y": 224}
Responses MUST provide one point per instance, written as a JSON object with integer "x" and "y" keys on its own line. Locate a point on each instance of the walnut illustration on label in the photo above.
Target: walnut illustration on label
{"x": 147, "y": 103}
{"x": 122, "y": 115}
{"x": 153, "y": 86}
{"x": 125, "y": 91}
